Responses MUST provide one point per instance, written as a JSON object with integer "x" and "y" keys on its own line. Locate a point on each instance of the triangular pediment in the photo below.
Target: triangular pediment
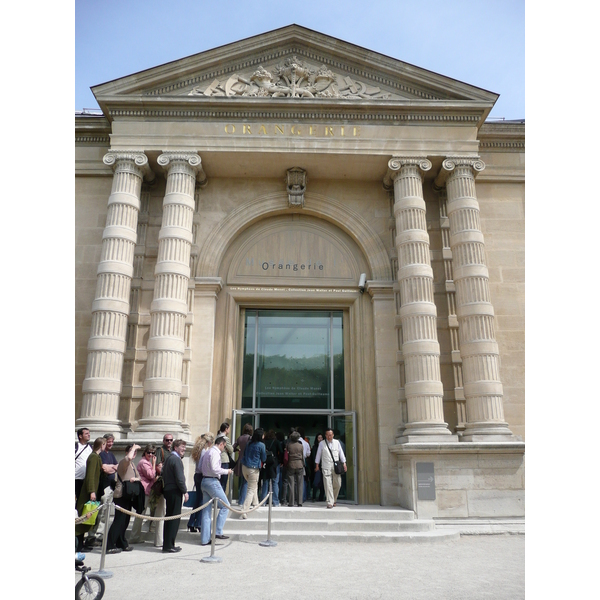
{"x": 292, "y": 62}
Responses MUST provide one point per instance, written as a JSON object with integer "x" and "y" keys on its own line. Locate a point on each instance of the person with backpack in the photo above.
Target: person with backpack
{"x": 295, "y": 469}
{"x": 271, "y": 470}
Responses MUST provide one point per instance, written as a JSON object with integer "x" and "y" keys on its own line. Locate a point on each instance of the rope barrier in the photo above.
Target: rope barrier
{"x": 87, "y": 515}
{"x": 215, "y": 500}
{"x": 173, "y": 517}
{"x": 243, "y": 512}
{"x": 184, "y": 512}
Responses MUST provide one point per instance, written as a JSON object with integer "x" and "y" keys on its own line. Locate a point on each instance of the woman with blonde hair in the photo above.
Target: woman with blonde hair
{"x": 202, "y": 444}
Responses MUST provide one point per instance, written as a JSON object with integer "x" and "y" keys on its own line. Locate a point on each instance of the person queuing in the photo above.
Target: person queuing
{"x": 295, "y": 469}
{"x": 158, "y": 500}
{"x": 147, "y": 470}
{"x": 330, "y": 450}
{"x": 123, "y": 496}
{"x": 201, "y": 446}
{"x": 105, "y": 491}
{"x": 316, "y": 476}
{"x": 240, "y": 446}
{"x": 271, "y": 470}
{"x": 82, "y": 451}
{"x": 255, "y": 455}
{"x": 226, "y": 454}
{"x": 89, "y": 488}
{"x": 175, "y": 491}
{"x": 211, "y": 488}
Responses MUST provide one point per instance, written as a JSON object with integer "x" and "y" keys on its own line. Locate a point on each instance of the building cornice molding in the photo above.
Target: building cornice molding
{"x": 316, "y": 109}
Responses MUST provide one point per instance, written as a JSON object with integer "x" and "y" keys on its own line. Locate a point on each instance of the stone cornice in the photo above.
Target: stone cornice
{"x": 429, "y": 448}
{"x": 315, "y": 109}
{"x": 502, "y": 137}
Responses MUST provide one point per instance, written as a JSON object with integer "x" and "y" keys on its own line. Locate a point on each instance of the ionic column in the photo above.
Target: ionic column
{"x": 110, "y": 309}
{"x": 418, "y": 314}
{"x": 169, "y": 308}
{"x": 474, "y": 310}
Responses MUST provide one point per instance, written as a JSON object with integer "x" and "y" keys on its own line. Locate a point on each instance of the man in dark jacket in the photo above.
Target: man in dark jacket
{"x": 174, "y": 492}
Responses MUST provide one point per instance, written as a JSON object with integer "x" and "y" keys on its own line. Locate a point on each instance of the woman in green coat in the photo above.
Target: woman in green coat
{"x": 93, "y": 469}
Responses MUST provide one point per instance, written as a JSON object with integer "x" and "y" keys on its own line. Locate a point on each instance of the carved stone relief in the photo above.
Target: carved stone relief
{"x": 296, "y": 186}
{"x": 293, "y": 78}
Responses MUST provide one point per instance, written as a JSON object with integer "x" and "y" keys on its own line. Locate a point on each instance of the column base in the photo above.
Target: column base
{"x": 426, "y": 432}
{"x": 98, "y": 427}
{"x": 487, "y": 432}
{"x": 151, "y": 429}
{"x": 407, "y": 438}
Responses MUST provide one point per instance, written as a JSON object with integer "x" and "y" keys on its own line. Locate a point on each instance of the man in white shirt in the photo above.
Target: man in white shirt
{"x": 82, "y": 451}
{"x": 211, "y": 488}
{"x": 331, "y": 480}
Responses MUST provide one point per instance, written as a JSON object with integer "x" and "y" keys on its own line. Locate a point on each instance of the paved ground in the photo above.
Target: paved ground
{"x": 474, "y": 567}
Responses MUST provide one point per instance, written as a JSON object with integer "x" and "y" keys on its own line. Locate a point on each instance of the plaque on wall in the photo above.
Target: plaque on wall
{"x": 425, "y": 481}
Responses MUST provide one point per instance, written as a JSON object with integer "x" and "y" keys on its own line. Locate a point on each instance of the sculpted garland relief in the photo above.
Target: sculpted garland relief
{"x": 292, "y": 78}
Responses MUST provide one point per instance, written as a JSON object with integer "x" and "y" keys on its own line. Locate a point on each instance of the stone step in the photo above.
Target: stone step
{"x": 310, "y": 525}
{"x": 340, "y": 512}
{"x": 432, "y": 536}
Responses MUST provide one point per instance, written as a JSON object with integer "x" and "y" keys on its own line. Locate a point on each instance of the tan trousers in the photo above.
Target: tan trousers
{"x": 332, "y": 484}
{"x": 251, "y": 476}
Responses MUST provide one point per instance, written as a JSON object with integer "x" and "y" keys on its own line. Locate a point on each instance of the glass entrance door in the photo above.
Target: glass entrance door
{"x": 293, "y": 376}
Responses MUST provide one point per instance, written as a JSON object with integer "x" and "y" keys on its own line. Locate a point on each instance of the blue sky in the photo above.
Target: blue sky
{"x": 481, "y": 42}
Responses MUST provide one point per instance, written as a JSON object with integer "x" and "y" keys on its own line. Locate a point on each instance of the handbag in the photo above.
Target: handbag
{"x": 286, "y": 457}
{"x": 158, "y": 486}
{"x": 232, "y": 462}
{"x": 90, "y": 506}
{"x": 191, "y": 499}
{"x": 338, "y": 465}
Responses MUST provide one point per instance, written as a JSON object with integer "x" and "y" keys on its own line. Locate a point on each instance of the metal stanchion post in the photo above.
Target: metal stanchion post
{"x": 105, "y": 574}
{"x": 269, "y": 541}
{"x": 212, "y": 557}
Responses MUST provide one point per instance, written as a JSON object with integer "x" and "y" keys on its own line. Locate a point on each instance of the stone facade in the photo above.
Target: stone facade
{"x": 272, "y": 174}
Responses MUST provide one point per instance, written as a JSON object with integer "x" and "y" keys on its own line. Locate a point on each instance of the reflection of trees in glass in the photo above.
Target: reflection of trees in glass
{"x": 281, "y": 376}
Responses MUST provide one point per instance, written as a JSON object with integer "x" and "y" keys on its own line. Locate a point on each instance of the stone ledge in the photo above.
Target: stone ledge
{"x": 482, "y": 526}
{"x": 460, "y": 448}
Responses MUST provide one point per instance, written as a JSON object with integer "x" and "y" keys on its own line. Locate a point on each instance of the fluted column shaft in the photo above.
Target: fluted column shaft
{"x": 169, "y": 308}
{"x": 474, "y": 310}
{"x": 418, "y": 314}
{"x": 110, "y": 309}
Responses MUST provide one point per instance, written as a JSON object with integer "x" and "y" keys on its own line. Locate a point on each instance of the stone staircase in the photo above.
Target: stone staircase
{"x": 344, "y": 523}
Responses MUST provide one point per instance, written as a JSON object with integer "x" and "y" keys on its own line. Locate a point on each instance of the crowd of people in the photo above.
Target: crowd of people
{"x": 156, "y": 485}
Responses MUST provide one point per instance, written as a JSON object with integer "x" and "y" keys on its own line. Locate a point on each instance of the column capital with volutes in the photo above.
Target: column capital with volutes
{"x": 396, "y": 163}
{"x": 168, "y": 159}
{"x": 451, "y": 163}
{"x": 137, "y": 161}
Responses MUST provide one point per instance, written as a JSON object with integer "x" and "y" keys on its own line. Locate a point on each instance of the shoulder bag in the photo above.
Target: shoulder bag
{"x": 338, "y": 465}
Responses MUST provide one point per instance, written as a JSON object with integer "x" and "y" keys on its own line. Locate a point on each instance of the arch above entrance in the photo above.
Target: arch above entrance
{"x": 293, "y": 249}
{"x": 329, "y": 209}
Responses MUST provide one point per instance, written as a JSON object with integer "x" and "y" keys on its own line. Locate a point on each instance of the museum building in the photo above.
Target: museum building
{"x": 294, "y": 231}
